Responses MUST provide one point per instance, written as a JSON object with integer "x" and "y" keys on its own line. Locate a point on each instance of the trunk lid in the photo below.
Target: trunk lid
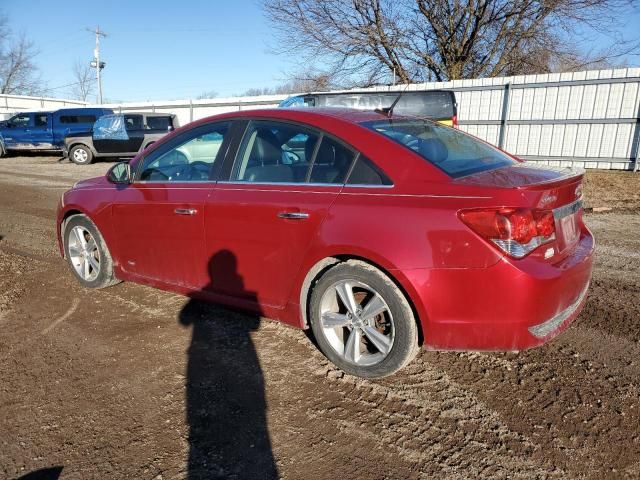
{"x": 545, "y": 188}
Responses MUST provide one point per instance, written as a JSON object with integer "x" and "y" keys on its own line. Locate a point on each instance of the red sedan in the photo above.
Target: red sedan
{"x": 379, "y": 232}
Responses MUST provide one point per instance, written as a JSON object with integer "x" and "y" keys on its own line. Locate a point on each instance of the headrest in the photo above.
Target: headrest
{"x": 266, "y": 150}
{"x": 433, "y": 149}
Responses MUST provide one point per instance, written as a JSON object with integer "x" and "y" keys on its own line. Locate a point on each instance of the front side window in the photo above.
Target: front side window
{"x": 189, "y": 159}
{"x": 451, "y": 150}
{"x": 275, "y": 152}
{"x": 20, "y": 121}
{"x": 110, "y": 127}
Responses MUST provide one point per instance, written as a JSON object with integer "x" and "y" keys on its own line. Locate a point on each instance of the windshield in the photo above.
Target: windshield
{"x": 437, "y": 104}
{"x": 449, "y": 149}
{"x": 295, "y": 101}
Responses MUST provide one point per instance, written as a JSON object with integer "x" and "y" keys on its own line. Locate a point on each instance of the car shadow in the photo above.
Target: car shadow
{"x": 225, "y": 397}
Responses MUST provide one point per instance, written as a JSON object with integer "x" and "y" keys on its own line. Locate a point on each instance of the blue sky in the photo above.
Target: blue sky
{"x": 155, "y": 49}
{"x": 168, "y": 50}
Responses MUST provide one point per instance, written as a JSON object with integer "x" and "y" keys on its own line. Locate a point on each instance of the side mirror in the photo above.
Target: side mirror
{"x": 120, "y": 173}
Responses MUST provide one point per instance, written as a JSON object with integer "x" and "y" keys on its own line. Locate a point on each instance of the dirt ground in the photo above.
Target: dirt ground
{"x": 132, "y": 382}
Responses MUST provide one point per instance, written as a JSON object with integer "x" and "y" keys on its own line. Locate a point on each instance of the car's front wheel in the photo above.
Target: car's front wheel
{"x": 81, "y": 155}
{"x": 87, "y": 253}
{"x": 362, "y": 321}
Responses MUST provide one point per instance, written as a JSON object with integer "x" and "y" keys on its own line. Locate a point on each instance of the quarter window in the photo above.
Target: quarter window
{"x": 275, "y": 152}
{"x": 332, "y": 162}
{"x": 189, "y": 160}
{"x": 366, "y": 173}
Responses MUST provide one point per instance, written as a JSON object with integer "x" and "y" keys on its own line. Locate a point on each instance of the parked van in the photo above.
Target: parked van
{"x": 45, "y": 131}
{"x": 439, "y": 105}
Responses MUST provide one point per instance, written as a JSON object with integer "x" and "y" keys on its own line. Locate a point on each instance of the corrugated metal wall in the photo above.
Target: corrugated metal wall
{"x": 587, "y": 119}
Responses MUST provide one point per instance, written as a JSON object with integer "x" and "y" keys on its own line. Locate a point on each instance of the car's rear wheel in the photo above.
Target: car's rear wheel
{"x": 362, "y": 321}
{"x": 81, "y": 155}
{"x": 87, "y": 253}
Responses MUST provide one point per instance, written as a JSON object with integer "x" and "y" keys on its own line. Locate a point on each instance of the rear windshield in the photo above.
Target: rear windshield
{"x": 451, "y": 150}
{"x": 437, "y": 104}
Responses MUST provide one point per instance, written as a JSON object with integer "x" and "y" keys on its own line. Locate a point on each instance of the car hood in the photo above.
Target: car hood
{"x": 522, "y": 175}
{"x": 91, "y": 182}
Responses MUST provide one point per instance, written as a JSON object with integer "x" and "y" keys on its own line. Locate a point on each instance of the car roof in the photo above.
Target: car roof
{"x": 349, "y": 115}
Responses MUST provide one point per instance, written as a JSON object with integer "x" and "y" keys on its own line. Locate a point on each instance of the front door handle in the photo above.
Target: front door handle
{"x": 186, "y": 211}
{"x": 293, "y": 215}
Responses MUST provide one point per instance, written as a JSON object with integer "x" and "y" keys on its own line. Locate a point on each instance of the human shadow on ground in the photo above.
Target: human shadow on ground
{"x": 51, "y": 473}
{"x": 226, "y": 407}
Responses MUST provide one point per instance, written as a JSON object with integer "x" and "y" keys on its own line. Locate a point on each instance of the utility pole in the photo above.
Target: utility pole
{"x": 96, "y": 63}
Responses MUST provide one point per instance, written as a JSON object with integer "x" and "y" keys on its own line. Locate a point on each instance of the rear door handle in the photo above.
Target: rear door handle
{"x": 186, "y": 211}
{"x": 293, "y": 215}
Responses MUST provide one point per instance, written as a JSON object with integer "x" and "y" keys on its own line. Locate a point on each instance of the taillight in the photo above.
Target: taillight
{"x": 454, "y": 121}
{"x": 516, "y": 231}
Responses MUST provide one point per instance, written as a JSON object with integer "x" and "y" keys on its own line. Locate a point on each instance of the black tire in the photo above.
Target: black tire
{"x": 81, "y": 155}
{"x": 105, "y": 276}
{"x": 404, "y": 346}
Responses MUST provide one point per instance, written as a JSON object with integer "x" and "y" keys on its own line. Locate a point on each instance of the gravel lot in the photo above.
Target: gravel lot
{"x": 132, "y": 382}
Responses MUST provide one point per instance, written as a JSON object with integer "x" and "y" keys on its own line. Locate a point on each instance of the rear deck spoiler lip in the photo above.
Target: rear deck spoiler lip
{"x": 572, "y": 175}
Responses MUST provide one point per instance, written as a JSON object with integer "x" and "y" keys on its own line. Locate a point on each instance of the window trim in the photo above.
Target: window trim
{"x": 252, "y": 120}
{"x": 227, "y": 180}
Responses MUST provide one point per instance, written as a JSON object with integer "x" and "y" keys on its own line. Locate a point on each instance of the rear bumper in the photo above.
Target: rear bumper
{"x": 513, "y": 305}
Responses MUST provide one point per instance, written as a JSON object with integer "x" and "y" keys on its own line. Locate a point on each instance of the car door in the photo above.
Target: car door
{"x": 40, "y": 134}
{"x": 17, "y": 133}
{"x": 262, "y": 217}
{"x": 159, "y": 218}
{"x": 135, "y": 130}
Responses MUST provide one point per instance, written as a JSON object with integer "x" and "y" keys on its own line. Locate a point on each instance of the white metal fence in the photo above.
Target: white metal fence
{"x": 15, "y": 103}
{"x": 589, "y": 119}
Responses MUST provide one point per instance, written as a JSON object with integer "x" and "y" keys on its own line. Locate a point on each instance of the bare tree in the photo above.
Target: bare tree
{"x": 303, "y": 82}
{"x": 85, "y": 80}
{"x": 18, "y": 72}
{"x": 207, "y": 94}
{"x": 368, "y": 41}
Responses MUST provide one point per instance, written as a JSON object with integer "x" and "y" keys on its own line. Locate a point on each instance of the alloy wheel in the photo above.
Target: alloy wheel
{"x": 84, "y": 253}
{"x": 357, "y": 322}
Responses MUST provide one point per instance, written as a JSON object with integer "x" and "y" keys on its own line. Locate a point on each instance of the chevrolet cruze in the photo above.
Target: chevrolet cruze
{"x": 381, "y": 233}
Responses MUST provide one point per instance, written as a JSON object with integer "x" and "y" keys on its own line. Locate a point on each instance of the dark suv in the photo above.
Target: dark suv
{"x": 118, "y": 135}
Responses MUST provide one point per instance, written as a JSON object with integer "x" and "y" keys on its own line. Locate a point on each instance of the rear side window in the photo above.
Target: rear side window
{"x": 331, "y": 163}
{"x": 40, "y": 120}
{"x": 133, "y": 122}
{"x": 275, "y": 152}
{"x": 77, "y": 118}
{"x": 366, "y": 173}
{"x": 449, "y": 149}
{"x": 159, "y": 123}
